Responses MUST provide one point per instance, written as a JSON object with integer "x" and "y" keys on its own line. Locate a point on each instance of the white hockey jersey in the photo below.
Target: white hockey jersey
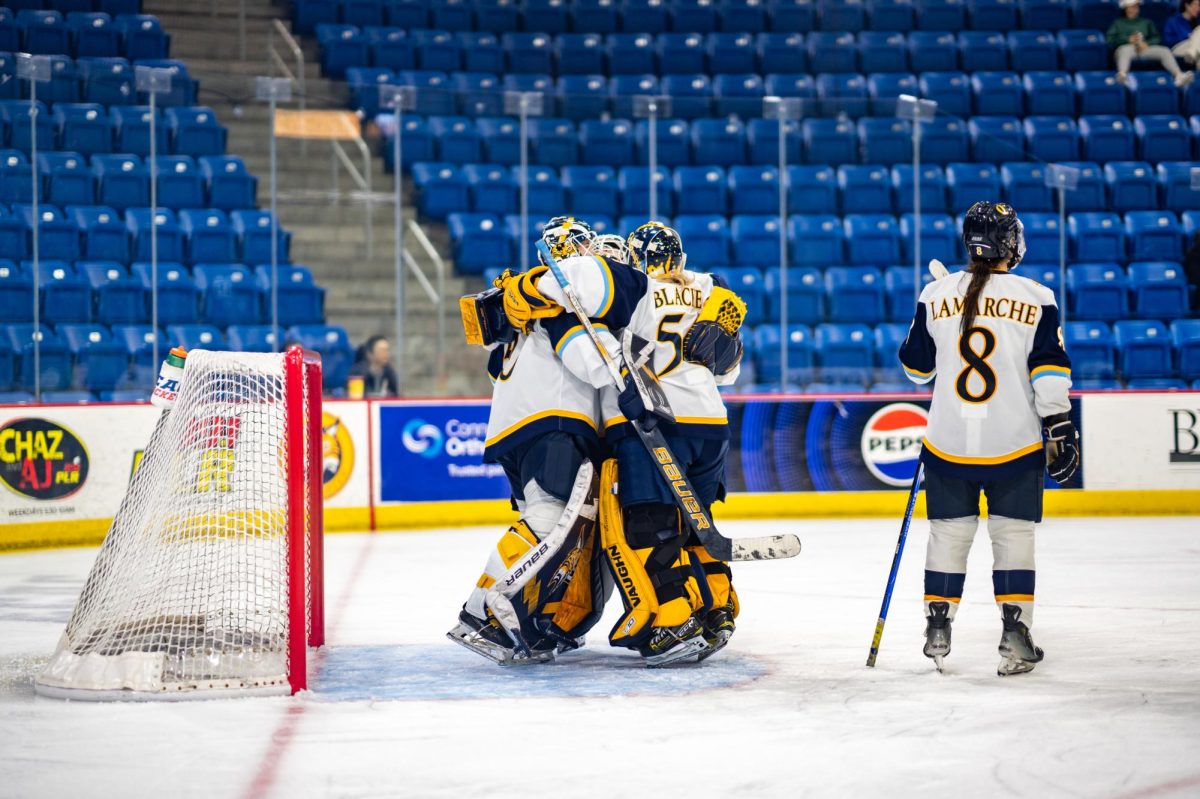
{"x": 995, "y": 381}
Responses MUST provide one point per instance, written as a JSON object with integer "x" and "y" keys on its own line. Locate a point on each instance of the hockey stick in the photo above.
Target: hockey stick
{"x": 768, "y": 547}
{"x": 938, "y": 269}
{"x": 891, "y": 583}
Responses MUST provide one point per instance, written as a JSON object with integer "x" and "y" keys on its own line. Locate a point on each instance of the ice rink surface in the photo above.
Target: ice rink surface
{"x": 788, "y": 709}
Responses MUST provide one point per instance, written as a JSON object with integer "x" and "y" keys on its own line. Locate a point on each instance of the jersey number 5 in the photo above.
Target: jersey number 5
{"x": 672, "y": 338}
{"x": 977, "y": 364}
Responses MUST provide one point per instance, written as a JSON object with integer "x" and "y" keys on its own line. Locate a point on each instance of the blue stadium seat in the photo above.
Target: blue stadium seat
{"x": 1098, "y": 291}
{"x": 1185, "y": 333}
{"x": 254, "y": 232}
{"x": 170, "y": 235}
{"x": 719, "y": 141}
{"x": 208, "y": 235}
{"x": 83, "y": 127}
{"x": 100, "y": 362}
{"x": 839, "y": 95}
{"x": 55, "y": 364}
{"x": 14, "y": 236}
{"x": 439, "y": 51}
{"x": 865, "y": 189}
{"x": 706, "y": 239}
{"x": 1032, "y": 50}
{"x": 65, "y": 176}
{"x": 1097, "y": 236}
{"x": 1162, "y": 138}
{"x": 10, "y": 31}
{"x": 706, "y": 190}
{"x": 644, "y": 15}
{"x": 691, "y": 95}
{"x": 1107, "y": 138}
{"x": 16, "y": 294}
{"x": 898, "y": 283}
{"x": 118, "y": 298}
{"x": 993, "y": 15}
{"x": 1050, "y": 15}
{"x": 105, "y": 237}
{"x": 1154, "y": 235}
{"x": 301, "y": 301}
{"x": 230, "y": 185}
{"x": 1052, "y": 138}
{"x": 982, "y": 51}
{"x": 815, "y": 240}
{"x": 72, "y": 397}
{"x": 497, "y": 15}
{"x": 801, "y": 360}
{"x": 546, "y": 194}
{"x": 361, "y": 12}
{"x": 755, "y": 240}
{"x": 8, "y": 376}
{"x": 15, "y": 185}
{"x": 456, "y": 140}
{"x": 730, "y": 53}
{"x": 968, "y": 182}
{"x": 582, "y": 96}
{"x": 478, "y": 93}
{"x": 131, "y": 125}
{"x": 590, "y": 190}
{"x": 872, "y": 239}
{"x": 337, "y": 355}
{"x": 228, "y": 294}
{"x": 308, "y": 14}
{"x": 1091, "y": 193}
{"x": 138, "y": 341}
{"x": 434, "y": 97}
{"x": 479, "y": 241}
{"x": 553, "y": 142}
{"x": 142, "y": 37}
{"x": 65, "y": 296}
{"x": 1049, "y": 92}
{"x": 44, "y": 32}
{"x": 1025, "y": 186}
{"x": 1175, "y": 178}
{"x": 941, "y": 15}
{"x": 681, "y": 53}
{"x": 1099, "y": 92}
{"x": 754, "y": 190}
{"x": 254, "y": 338}
{"x": 1092, "y": 349}
{"x": 832, "y": 141}
{"x": 842, "y": 15}
{"x": 997, "y": 139}
{"x": 622, "y": 89}
{"x": 1153, "y": 93}
{"x": 1084, "y": 49}
{"x": 855, "y": 294}
{"x": 14, "y": 118}
{"x": 599, "y": 16}
{"x": 551, "y": 16}
{"x": 762, "y": 139}
{"x": 932, "y": 51}
{"x": 195, "y": 131}
{"x": 494, "y": 189}
{"x": 805, "y": 295}
{"x": 1143, "y": 349}
{"x": 739, "y": 15}
{"x": 689, "y": 16}
{"x": 830, "y": 52}
{"x": 950, "y": 90}
{"x": 501, "y": 139}
{"x": 793, "y": 16}
{"x": 1159, "y": 289}
{"x": 93, "y": 35}
{"x": 441, "y": 189}
{"x": 630, "y": 53}
{"x": 884, "y": 141}
{"x": 1132, "y": 186}
{"x": 786, "y": 53}
{"x": 891, "y": 15}
{"x": 933, "y": 188}
{"x": 634, "y": 182}
{"x": 1157, "y": 384}
{"x": 878, "y": 52}
{"x": 945, "y": 140}
{"x": 1041, "y": 236}
{"x": 453, "y": 15}
{"x": 481, "y": 52}
{"x": 9, "y": 86}
{"x": 812, "y": 189}
{"x": 183, "y": 86}
{"x": 364, "y": 84}
{"x": 844, "y": 352}
{"x": 197, "y": 336}
{"x": 998, "y": 94}
{"x": 342, "y": 46}
{"x": 579, "y": 53}
{"x": 63, "y": 86}
{"x": 673, "y": 141}
{"x": 392, "y": 49}
{"x": 608, "y": 143}
{"x": 739, "y": 95}
{"x": 58, "y": 236}
{"x": 180, "y": 183}
{"x": 939, "y": 238}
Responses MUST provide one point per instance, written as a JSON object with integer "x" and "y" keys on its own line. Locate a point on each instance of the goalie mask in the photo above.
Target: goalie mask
{"x": 567, "y": 236}
{"x": 611, "y": 247}
{"x": 656, "y": 249}
{"x": 993, "y": 231}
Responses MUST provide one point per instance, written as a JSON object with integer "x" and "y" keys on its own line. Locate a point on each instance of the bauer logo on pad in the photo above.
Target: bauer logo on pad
{"x": 891, "y": 442}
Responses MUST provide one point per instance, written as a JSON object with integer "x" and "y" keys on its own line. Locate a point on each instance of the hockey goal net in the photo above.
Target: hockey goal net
{"x": 210, "y": 579}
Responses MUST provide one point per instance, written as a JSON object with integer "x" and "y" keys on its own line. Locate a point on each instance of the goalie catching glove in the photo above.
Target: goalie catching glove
{"x": 712, "y": 341}
{"x": 523, "y": 302}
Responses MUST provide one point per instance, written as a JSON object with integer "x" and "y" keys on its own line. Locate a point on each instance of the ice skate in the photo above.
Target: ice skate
{"x": 937, "y": 633}
{"x": 490, "y": 640}
{"x": 1017, "y": 651}
{"x": 718, "y": 629}
{"x": 673, "y": 644}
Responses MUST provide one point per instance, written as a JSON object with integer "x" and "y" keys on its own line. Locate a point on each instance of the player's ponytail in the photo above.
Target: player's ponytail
{"x": 980, "y": 270}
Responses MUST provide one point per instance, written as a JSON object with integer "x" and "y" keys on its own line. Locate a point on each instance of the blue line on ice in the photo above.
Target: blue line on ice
{"x": 424, "y": 672}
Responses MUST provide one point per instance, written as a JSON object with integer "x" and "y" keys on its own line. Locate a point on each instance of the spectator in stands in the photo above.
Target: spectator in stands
{"x": 374, "y": 370}
{"x": 1135, "y": 39}
{"x": 1181, "y": 32}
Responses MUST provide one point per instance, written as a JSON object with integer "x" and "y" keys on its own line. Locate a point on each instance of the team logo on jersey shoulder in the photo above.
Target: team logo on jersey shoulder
{"x": 891, "y": 442}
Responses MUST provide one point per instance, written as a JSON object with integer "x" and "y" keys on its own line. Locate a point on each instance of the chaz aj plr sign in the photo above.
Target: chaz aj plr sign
{"x": 40, "y": 459}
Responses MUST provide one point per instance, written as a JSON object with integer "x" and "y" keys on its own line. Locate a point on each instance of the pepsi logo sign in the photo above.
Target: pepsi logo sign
{"x": 891, "y": 442}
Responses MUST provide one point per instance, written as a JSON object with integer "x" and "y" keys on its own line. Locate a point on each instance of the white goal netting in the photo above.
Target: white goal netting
{"x": 193, "y": 587}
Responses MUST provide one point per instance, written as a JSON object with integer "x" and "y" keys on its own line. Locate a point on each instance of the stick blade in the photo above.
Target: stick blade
{"x": 768, "y": 547}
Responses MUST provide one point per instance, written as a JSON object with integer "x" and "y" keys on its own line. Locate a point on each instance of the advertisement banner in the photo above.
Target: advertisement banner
{"x": 346, "y": 454}
{"x": 1142, "y": 441}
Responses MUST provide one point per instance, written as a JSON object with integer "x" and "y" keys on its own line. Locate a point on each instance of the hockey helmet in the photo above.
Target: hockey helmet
{"x": 611, "y": 247}
{"x": 993, "y": 231}
{"x": 656, "y": 249}
{"x": 567, "y": 236}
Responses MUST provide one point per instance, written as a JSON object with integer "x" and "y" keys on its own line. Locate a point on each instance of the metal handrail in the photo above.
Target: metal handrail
{"x": 297, "y": 77}
{"x": 440, "y": 301}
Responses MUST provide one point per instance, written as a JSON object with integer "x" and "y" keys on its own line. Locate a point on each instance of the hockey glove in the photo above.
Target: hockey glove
{"x": 1062, "y": 447}
{"x": 633, "y": 407}
{"x": 523, "y": 303}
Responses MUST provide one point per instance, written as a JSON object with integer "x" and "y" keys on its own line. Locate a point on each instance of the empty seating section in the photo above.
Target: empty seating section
{"x": 94, "y": 222}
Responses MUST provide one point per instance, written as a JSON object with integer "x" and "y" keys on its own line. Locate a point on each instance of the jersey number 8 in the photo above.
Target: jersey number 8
{"x": 976, "y": 363}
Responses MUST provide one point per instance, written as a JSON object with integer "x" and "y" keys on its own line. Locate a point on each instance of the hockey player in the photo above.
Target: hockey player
{"x": 994, "y": 339}
{"x": 543, "y": 586}
{"x": 679, "y": 602}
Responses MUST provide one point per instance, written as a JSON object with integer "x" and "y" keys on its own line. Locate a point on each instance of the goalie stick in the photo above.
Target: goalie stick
{"x": 770, "y": 547}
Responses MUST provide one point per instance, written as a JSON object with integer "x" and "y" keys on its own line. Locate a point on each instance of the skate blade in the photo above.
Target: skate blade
{"x": 690, "y": 649}
{"x": 939, "y": 663}
{"x": 470, "y": 640}
{"x": 714, "y": 646}
{"x": 1010, "y": 666}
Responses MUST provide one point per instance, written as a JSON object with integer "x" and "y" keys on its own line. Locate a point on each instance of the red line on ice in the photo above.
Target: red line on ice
{"x": 285, "y": 732}
{"x": 1162, "y": 789}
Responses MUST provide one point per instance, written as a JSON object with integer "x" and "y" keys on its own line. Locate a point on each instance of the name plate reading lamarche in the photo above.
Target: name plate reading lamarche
{"x": 323, "y": 125}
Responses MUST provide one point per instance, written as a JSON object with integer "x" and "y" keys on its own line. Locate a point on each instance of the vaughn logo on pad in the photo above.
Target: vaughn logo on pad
{"x": 891, "y": 442}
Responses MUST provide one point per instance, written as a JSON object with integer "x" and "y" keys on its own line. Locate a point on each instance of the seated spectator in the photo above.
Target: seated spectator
{"x": 1181, "y": 33}
{"x": 1135, "y": 39}
{"x": 372, "y": 371}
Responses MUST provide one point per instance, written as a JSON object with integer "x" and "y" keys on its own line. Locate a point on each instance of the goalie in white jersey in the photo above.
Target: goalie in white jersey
{"x": 992, "y": 340}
